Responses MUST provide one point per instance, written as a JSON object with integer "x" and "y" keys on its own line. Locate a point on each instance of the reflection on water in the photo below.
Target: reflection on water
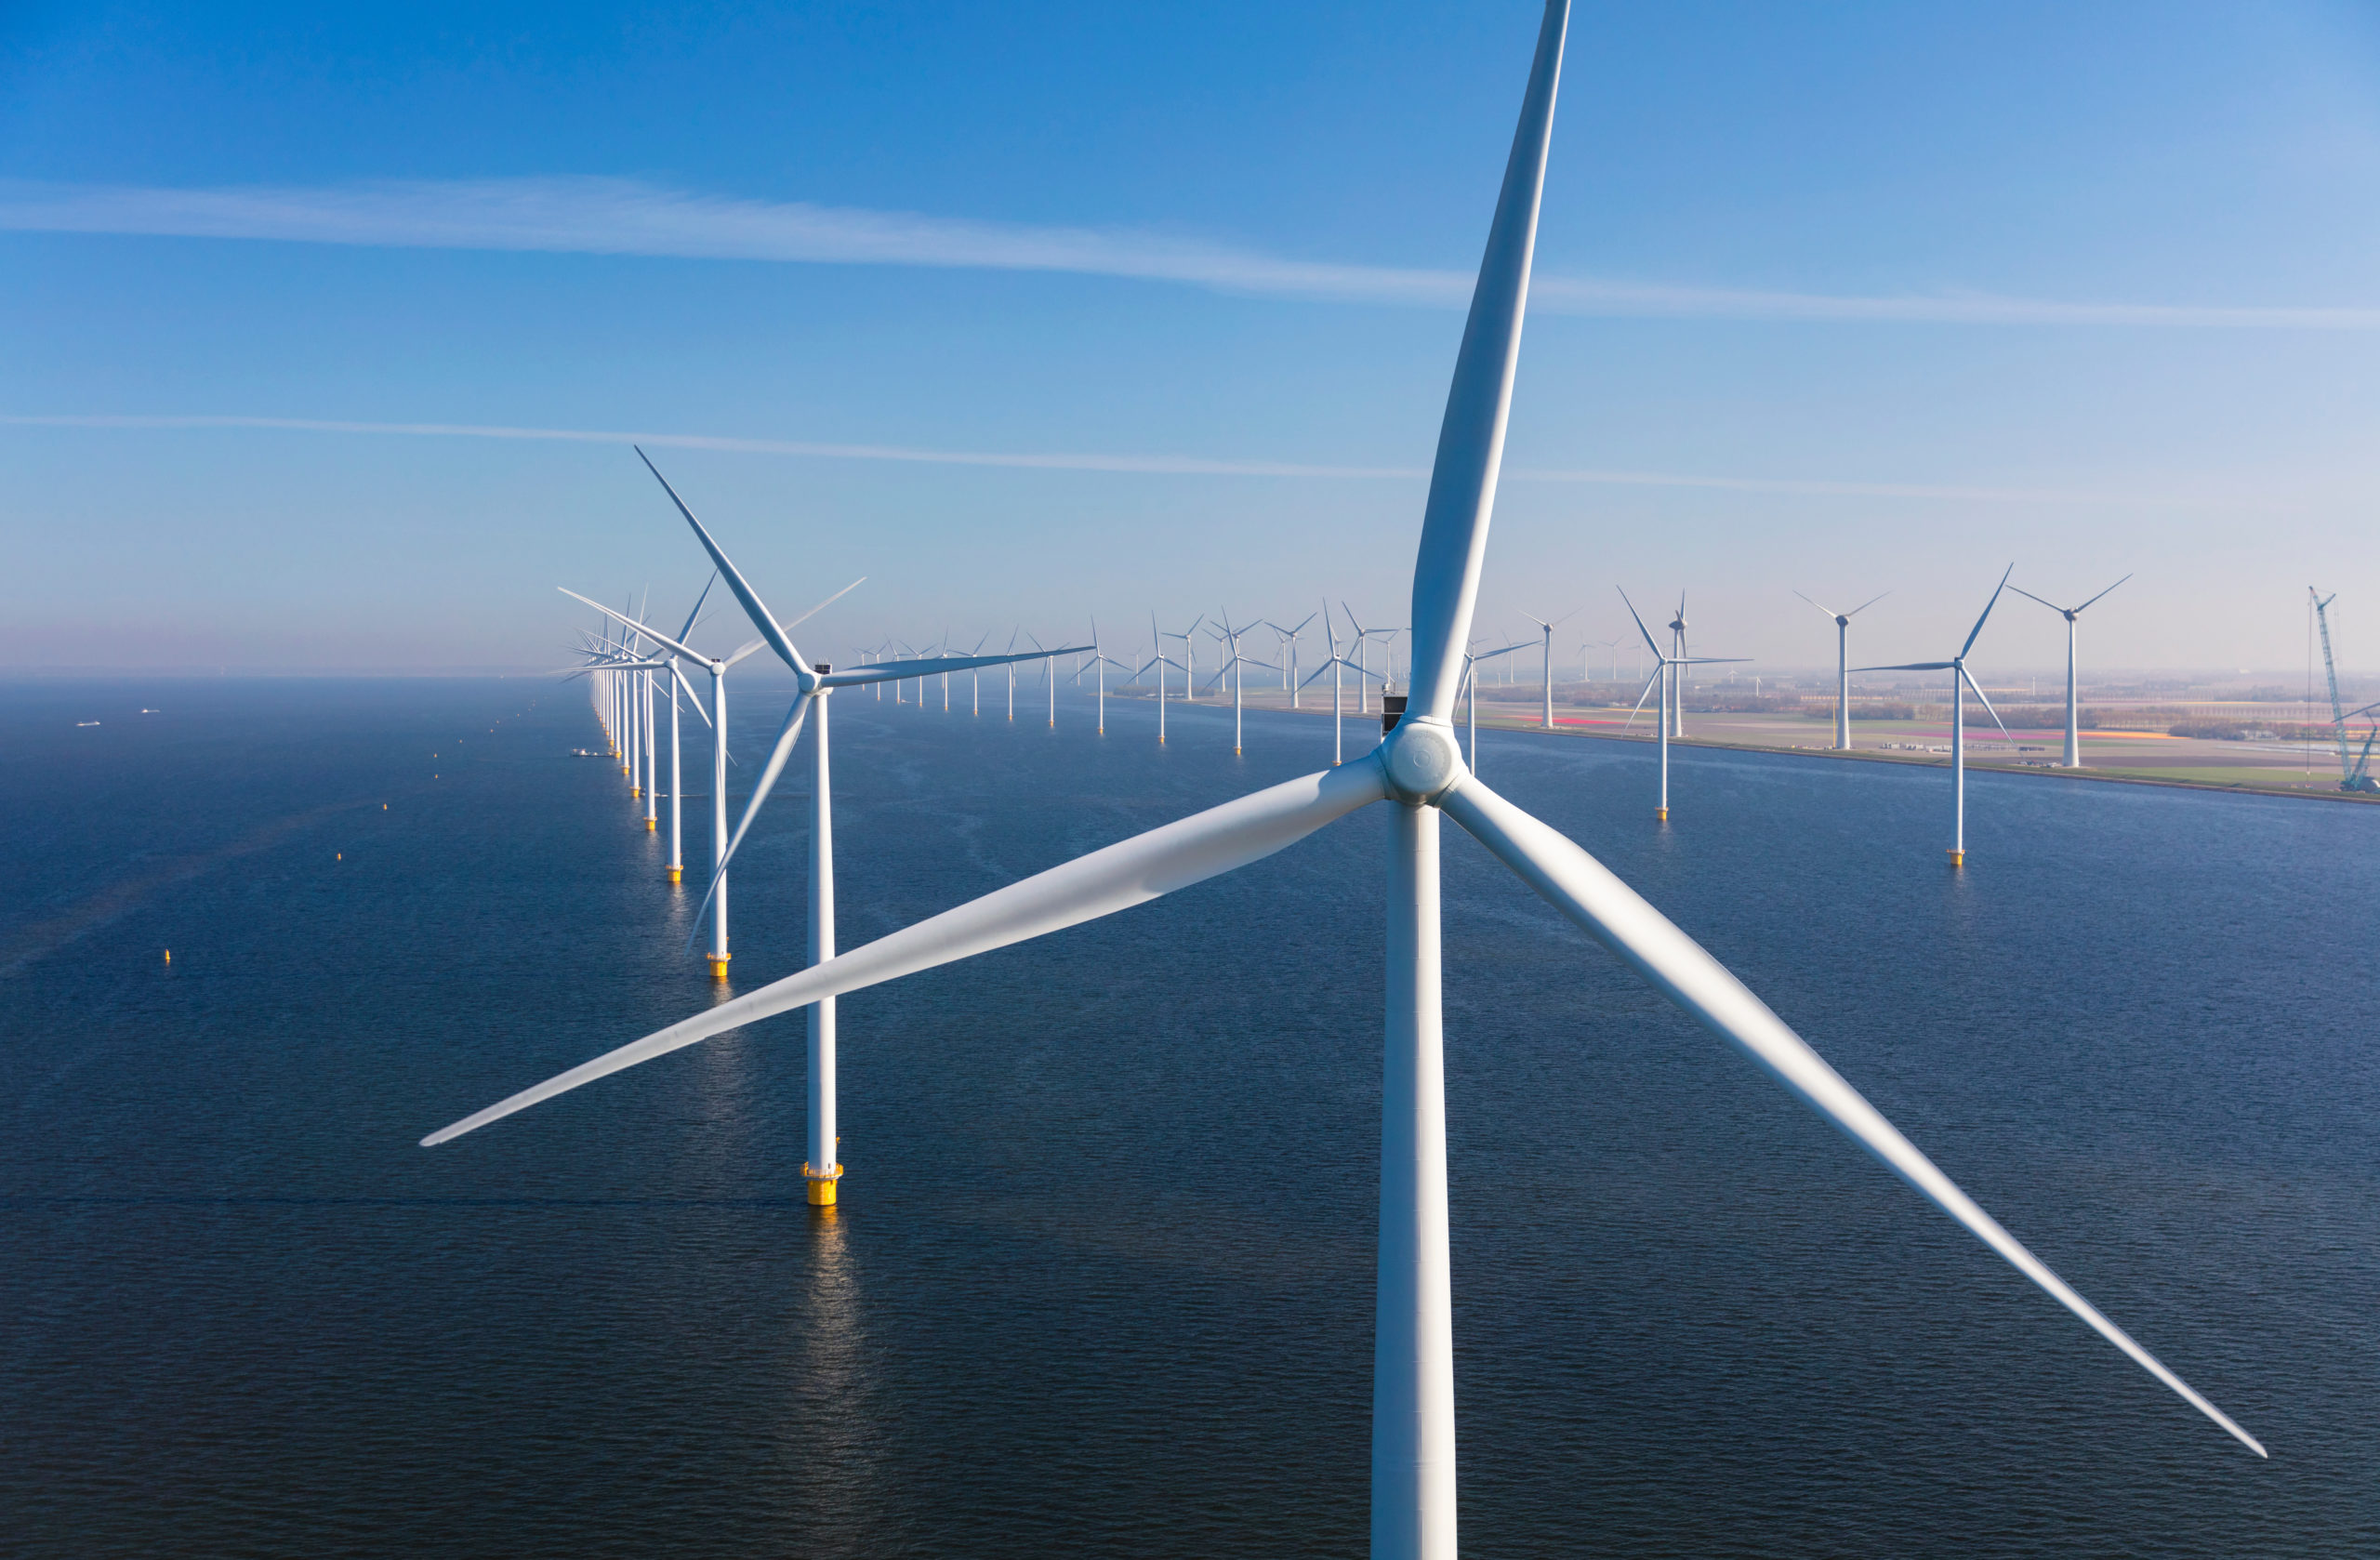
{"x": 831, "y": 1436}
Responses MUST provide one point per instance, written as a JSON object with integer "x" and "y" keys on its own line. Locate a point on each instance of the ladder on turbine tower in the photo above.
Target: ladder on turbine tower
{"x": 2355, "y": 773}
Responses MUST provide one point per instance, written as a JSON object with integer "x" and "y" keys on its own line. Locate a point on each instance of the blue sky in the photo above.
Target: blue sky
{"x": 1843, "y": 299}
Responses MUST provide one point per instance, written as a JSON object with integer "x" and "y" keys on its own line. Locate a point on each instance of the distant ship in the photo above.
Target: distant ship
{"x": 86, "y": 723}
{"x": 576, "y": 752}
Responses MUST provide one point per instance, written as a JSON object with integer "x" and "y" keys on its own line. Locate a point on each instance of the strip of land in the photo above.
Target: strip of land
{"x": 2140, "y": 757}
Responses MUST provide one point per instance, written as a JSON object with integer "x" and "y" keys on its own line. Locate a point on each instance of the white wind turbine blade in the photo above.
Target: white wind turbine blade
{"x": 1830, "y": 612}
{"x": 1130, "y": 872}
{"x": 695, "y": 615}
{"x": 1583, "y": 889}
{"x": 1641, "y": 698}
{"x": 700, "y": 713}
{"x": 2042, "y": 599}
{"x": 1971, "y": 682}
{"x": 656, "y": 637}
{"x": 2085, "y": 605}
{"x": 1650, "y": 644}
{"x": 1912, "y": 665}
{"x": 1471, "y": 438}
{"x": 753, "y": 607}
{"x": 1869, "y": 602}
{"x": 787, "y": 734}
{"x": 1987, "y": 612}
{"x": 902, "y": 670}
{"x": 792, "y": 623}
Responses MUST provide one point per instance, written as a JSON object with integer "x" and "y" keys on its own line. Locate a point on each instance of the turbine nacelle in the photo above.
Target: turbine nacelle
{"x": 1420, "y": 760}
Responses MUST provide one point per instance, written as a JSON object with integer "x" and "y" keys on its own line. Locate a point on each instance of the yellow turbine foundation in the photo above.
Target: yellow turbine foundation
{"x": 822, "y": 1183}
{"x": 649, "y": 826}
{"x": 1957, "y": 858}
{"x": 1660, "y": 815}
{"x": 718, "y": 965}
{"x": 673, "y": 873}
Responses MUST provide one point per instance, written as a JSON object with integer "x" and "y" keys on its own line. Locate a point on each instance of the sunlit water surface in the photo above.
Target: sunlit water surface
{"x": 1102, "y": 1282}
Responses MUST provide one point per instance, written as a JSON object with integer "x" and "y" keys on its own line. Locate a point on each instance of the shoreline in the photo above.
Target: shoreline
{"x": 1859, "y": 755}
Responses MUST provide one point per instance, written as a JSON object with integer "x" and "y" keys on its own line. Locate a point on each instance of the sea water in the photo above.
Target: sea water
{"x": 1101, "y": 1281}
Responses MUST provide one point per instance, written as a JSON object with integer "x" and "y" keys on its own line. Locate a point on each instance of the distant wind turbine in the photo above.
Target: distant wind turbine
{"x": 1547, "y": 723}
{"x": 1842, "y": 664}
{"x": 1665, "y": 678}
{"x": 1334, "y": 666}
{"x": 2073, "y": 711}
{"x": 1960, "y": 679}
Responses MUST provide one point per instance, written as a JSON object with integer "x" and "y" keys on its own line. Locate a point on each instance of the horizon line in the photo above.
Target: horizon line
{"x": 604, "y": 216}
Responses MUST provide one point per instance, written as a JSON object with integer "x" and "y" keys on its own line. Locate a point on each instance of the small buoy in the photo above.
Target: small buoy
{"x": 170, "y": 955}
{"x": 384, "y": 807}
{"x": 341, "y": 857}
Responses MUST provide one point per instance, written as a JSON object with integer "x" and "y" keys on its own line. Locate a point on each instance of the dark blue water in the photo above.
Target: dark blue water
{"x": 1102, "y": 1282}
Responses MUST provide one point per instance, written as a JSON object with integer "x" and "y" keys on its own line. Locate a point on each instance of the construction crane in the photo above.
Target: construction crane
{"x": 2355, "y": 773}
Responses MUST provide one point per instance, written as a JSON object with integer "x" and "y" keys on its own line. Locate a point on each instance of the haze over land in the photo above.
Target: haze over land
{"x": 1029, "y": 314}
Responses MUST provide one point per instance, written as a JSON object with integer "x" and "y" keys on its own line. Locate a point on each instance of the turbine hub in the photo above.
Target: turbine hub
{"x": 1421, "y": 759}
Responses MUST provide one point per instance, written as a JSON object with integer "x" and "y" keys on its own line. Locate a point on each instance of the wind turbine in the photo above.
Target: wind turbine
{"x": 1957, "y": 666}
{"x": 1665, "y": 677}
{"x": 1231, "y": 668}
{"x": 1100, "y": 661}
{"x": 1363, "y": 695}
{"x": 1189, "y": 658}
{"x": 1676, "y": 689}
{"x": 2073, "y": 713}
{"x": 978, "y": 673}
{"x": 1843, "y": 661}
{"x": 1157, "y": 662}
{"x": 1290, "y": 682}
{"x": 1549, "y": 627}
{"x": 1418, "y": 771}
{"x": 1049, "y": 659}
{"x": 822, "y": 1168}
{"x": 1336, "y": 664}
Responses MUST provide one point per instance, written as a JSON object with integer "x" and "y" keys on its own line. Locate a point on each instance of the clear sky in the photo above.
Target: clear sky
{"x": 1840, "y": 298}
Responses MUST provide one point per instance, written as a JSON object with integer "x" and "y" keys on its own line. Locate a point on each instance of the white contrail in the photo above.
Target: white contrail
{"x": 1146, "y": 465}
{"x": 621, "y": 217}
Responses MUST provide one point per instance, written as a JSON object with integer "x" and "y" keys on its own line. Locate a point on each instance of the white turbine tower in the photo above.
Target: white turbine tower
{"x": 1842, "y": 663}
{"x": 1665, "y": 677}
{"x": 1418, "y": 771}
{"x": 1546, "y": 722}
{"x": 2073, "y": 711}
{"x": 1960, "y": 679}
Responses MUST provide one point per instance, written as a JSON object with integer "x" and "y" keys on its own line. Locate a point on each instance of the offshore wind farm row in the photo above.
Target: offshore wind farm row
{"x": 1421, "y": 764}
